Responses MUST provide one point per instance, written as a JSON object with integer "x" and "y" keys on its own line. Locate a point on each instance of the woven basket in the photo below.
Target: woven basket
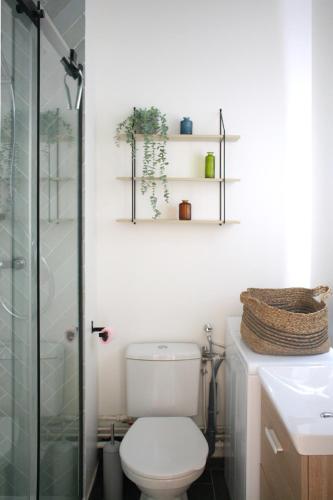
{"x": 285, "y": 321}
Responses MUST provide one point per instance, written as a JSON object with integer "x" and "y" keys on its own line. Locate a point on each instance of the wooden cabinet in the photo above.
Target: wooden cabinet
{"x": 285, "y": 470}
{"x": 285, "y": 474}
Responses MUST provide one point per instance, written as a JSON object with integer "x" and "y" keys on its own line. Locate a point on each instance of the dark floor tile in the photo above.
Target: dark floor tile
{"x": 219, "y": 484}
{"x": 97, "y": 491}
{"x": 131, "y": 492}
{"x": 205, "y": 477}
{"x": 215, "y": 463}
{"x": 200, "y": 491}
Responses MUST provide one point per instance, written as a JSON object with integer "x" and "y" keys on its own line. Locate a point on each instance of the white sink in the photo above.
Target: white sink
{"x": 302, "y": 396}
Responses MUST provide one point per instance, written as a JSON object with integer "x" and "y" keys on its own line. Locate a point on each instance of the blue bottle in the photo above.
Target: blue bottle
{"x": 186, "y": 126}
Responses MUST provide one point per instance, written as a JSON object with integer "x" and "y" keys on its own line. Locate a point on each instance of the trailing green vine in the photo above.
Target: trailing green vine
{"x": 151, "y": 123}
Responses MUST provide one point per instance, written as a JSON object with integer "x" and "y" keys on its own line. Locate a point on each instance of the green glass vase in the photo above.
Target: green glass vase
{"x": 210, "y": 166}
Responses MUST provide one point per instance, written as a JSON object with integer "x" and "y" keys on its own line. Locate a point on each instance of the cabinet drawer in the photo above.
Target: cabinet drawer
{"x": 285, "y": 470}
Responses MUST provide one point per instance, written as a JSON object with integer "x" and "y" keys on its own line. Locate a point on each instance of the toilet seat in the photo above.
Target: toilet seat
{"x": 163, "y": 448}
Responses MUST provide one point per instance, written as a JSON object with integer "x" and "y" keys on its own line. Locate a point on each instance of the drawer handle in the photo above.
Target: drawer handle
{"x": 273, "y": 441}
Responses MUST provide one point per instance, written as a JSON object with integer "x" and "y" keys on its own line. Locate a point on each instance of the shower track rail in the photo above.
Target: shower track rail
{"x": 33, "y": 11}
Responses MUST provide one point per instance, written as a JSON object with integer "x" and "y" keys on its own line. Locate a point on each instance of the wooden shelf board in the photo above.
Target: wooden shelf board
{"x": 184, "y": 179}
{"x": 190, "y": 137}
{"x": 52, "y": 179}
{"x": 57, "y": 221}
{"x": 177, "y": 221}
{"x": 58, "y": 179}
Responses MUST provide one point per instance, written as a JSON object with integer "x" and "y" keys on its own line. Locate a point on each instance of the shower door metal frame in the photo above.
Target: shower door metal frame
{"x": 80, "y": 292}
{"x": 38, "y": 262}
{"x": 36, "y": 14}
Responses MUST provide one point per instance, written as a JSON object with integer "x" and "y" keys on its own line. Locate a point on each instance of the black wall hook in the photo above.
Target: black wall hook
{"x": 71, "y": 65}
{"x": 99, "y": 329}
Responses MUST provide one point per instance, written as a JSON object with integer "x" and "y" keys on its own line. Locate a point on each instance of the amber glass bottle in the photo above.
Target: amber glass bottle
{"x": 185, "y": 210}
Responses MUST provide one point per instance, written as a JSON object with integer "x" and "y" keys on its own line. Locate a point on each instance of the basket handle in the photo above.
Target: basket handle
{"x": 324, "y": 291}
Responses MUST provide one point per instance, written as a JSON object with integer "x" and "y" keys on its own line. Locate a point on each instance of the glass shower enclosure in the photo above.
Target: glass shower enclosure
{"x": 40, "y": 256}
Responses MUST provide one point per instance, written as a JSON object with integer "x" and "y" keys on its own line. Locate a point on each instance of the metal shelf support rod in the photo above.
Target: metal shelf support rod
{"x": 222, "y": 174}
{"x": 134, "y": 177}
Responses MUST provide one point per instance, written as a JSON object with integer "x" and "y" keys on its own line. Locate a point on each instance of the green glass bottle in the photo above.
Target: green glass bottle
{"x": 210, "y": 166}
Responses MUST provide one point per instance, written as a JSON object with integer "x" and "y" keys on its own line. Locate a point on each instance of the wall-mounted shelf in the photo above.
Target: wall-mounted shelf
{"x": 221, "y": 138}
{"x": 177, "y": 221}
{"x": 190, "y": 137}
{"x": 183, "y": 179}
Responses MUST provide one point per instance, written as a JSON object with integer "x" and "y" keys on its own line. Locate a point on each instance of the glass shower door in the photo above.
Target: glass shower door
{"x": 40, "y": 264}
{"x": 60, "y": 272}
{"x": 18, "y": 255}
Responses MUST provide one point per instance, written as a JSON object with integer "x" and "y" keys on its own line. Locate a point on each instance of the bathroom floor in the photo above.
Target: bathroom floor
{"x": 210, "y": 485}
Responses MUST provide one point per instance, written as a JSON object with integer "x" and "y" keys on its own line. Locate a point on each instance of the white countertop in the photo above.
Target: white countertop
{"x": 301, "y": 394}
{"x": 253, "y": 360}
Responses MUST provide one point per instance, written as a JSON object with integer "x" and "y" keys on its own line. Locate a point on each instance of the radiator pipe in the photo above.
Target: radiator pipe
{"x": 210, "y": 434}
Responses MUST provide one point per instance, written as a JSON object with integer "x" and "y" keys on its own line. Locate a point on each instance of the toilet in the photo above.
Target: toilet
{"x": 164, "y": 451}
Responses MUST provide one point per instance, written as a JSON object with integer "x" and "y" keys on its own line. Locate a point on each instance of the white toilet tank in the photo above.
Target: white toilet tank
{"x": 163, "y": 379}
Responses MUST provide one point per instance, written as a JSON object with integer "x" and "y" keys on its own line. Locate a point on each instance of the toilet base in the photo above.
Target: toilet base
{"x": 182, "y": 497}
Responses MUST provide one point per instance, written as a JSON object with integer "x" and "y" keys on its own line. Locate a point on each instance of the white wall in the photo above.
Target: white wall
{"x": 189, "y": 58}
{"x": 323, "y": 145}
{"x": 90, "y": 351}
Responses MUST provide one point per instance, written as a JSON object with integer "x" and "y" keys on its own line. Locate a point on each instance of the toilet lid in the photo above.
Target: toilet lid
{"x": 164, "y": 447}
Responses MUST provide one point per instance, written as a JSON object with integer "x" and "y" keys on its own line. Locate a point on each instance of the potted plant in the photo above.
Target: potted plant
{"x": 151, "y": 123}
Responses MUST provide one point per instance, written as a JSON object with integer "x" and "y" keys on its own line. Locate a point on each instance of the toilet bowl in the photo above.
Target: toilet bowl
{"x": 163, "y": 456}
{"x": 164, "y": 451}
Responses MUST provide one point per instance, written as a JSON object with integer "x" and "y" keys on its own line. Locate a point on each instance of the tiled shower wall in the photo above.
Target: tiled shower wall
{"x": 69, "y": 18}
